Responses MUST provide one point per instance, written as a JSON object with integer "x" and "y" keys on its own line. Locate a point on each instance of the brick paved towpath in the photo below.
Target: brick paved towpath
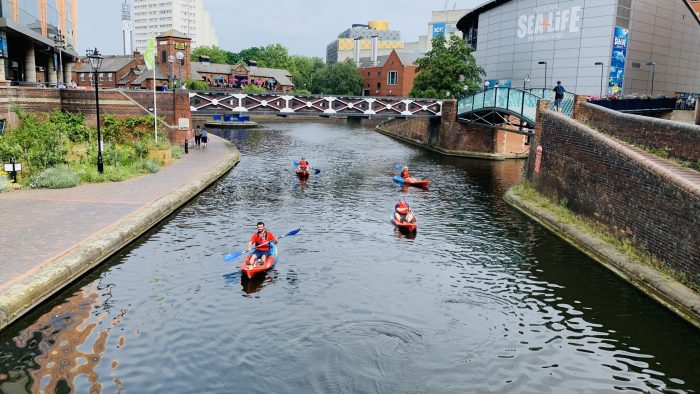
{"x": 40, "y": 228}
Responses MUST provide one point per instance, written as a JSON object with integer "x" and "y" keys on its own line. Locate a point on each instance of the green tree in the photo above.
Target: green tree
{"x": 303, "y": 69}
{"x": 338, "y": 78}
{"x": 447, "y": 70}
{"x": 252, "y": 53}
{"x": 216, "y": 54}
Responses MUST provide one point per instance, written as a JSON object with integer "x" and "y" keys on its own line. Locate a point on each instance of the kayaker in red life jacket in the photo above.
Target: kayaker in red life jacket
{"x": 403, "y": 213}
{"x": 406, "y": 174}
{"x": 261, "y": 239}
{"x": 303, "y": 165}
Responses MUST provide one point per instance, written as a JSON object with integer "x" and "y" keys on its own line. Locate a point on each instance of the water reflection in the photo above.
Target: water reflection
{"x": 484, "y": 298}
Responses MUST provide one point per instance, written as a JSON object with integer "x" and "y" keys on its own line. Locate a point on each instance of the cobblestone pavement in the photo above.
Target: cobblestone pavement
{"x": 39, "y": 225}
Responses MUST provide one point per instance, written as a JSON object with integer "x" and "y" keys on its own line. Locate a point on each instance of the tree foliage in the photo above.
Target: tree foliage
{"x": 337, "y": 78}
{"x": 447, "y": 70}
{"x": 216, "y": 54}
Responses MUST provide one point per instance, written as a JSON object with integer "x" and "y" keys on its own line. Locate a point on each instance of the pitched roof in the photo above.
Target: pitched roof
{"x": 211, "y": 68}
{"x": 110, "y": 64}
{"x": 172, "y": 33}
{"x": 148, "y": 74}
{"x": 406, "y": 58}
{"x": 282, "y": 76}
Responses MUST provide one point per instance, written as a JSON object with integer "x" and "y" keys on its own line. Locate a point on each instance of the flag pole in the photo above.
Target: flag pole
{"x": 155, "y": 107}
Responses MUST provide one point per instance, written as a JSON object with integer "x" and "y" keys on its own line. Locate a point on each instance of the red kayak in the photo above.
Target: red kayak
{"x": 252, "y": 270}
{"x": 424, "y": 183}
{"x": 302, "y": 174}
{"x": 405, "y": 225}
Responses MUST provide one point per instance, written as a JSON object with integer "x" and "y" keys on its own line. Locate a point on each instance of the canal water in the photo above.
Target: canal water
{"x": 481, "y": 299}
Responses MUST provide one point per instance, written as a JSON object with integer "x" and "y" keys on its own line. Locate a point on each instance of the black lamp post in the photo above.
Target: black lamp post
{"x": 601, "y": 78}
{"x": 653, "y": 69}
{"x": 545, "y": 72}
{"x": 96, "y": 61}
{"x": 522, "y": 103}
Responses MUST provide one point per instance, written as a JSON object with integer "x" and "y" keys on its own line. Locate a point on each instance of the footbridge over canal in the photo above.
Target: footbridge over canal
{"x": 510, "y": 109}
{"x": 209, "y": 103}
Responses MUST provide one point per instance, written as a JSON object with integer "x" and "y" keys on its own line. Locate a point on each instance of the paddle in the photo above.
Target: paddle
{"x": 316, "y": 170}
{"x": 234, "y": 255}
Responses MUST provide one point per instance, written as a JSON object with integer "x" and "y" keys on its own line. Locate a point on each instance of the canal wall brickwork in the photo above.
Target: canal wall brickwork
{"x": 448, "y": 136}
{"x": 616, "y": 185}
{"x": 120, "y": 103}
{"x": 679, "y": 139}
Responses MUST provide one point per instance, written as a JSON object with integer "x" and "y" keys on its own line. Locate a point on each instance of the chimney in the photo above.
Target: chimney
{"x": 375, "y": 40}
{"x": 356, "y": 52}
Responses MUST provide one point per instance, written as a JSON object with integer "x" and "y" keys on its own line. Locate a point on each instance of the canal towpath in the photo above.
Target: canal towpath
{"x": 49, "y": 237}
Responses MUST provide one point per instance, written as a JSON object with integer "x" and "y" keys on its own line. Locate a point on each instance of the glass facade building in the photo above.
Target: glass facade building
{"x": 635, "y": 40}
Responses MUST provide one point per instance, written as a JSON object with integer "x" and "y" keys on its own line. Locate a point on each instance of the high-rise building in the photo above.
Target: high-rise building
{"x": 127, "y": 28}
{"x": 343, "y": 48}
{"x": 37, "y": 41}
{"x": 152, "y": 17}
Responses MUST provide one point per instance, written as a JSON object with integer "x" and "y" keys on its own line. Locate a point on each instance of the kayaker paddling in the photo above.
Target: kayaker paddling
{"x": 403, "y": 213}
{"x": 261, "y": 240}
{"x": 303, "y": 165}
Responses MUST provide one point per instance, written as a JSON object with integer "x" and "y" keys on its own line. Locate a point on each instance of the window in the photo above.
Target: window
{"x": 102, "y": 75}
{"x": 82, "y": 77}
{"x": 368, "y": 73}
{"x": 379, "y": 85}
{"x": 392, "y": 77}
{"x": 379, "y": 73}
{"x": 109, "y": 77}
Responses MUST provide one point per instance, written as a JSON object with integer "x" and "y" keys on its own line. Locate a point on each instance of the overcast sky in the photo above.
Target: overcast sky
{"x": 305, "y": 27}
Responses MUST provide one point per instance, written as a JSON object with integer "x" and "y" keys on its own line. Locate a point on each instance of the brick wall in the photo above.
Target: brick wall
{"x": 451, "y": 137}
{"x": 606, "y": 182}
{"x": 123, "y": 104}
{"x": 681, "y": 139}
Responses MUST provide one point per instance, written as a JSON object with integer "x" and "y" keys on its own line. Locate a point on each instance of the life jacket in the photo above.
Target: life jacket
{"x": 303, "y": 165}
{"x": 258, "y": 239}
{"x": 405, "y": 174}
{"x": 401, "y": 208}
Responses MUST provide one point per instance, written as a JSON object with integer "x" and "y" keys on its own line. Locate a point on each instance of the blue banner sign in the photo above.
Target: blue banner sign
{"x": 3, "y": 44}
{"x": 438, "y": 29}
{"x": 617, "y": 60}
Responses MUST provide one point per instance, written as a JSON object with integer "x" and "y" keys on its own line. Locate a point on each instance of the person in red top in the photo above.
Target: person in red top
{"x": 304, "y": 165}
{"x": 406, "y": 174}
{"x": 403, "y": 213}
{"x": 261, "y": 240}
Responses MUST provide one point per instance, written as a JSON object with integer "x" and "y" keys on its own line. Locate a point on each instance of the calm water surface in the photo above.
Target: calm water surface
{"x": 481, "y": 299}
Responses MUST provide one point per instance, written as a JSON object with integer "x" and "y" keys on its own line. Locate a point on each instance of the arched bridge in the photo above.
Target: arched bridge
{"x": 222, "y": 102}
{"x": 508, "y": 107}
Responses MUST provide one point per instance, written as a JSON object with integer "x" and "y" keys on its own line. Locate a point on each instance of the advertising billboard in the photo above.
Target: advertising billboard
{"x": 617, "y": 60}
{"x": 557, "y": 21}
{"x": 3, "y": 44}
{"x": 438, "y": 29}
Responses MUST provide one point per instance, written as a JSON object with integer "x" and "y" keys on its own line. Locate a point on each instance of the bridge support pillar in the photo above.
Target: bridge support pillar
{"x": 697, "y": 112}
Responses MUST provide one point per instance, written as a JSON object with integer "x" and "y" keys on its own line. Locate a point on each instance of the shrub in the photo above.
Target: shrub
{"x": 301, "y": 91}
{"x": 71, "y": 125}
{"x": 37, "y": 144}
{"x": 148, "y": 166}
{"x": 250, "y": 88}
{"x": 5, "y": 184}
{"x": 177, "y": 151}
{"x": 194, "y": 84}
{"x": 59, "y": 177}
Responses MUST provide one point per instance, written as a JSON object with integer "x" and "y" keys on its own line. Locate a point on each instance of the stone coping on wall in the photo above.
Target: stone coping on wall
{"x": 475, "y": 155}
{"x": 661, "y": 287}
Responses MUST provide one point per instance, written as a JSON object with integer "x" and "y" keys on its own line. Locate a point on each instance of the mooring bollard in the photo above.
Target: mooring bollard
{"x": 187, "y": 150}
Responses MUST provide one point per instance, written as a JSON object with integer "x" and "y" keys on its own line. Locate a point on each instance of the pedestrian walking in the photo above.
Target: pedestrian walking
{"x": 197, "y": 137}
{"x": 558, "y": 96}
{"x": 204, "y": 137}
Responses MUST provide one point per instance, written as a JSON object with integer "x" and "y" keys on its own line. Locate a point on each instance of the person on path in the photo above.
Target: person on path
{"x": 197, "y": 136}
{"x": 558, "y": 96}
{"x": 205, "y": 138}
{"x": 261, "y": 240}
{"x": 403, "y": 213}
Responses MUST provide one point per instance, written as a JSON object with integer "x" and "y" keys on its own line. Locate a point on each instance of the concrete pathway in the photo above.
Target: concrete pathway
{"x": 38, "y": 226}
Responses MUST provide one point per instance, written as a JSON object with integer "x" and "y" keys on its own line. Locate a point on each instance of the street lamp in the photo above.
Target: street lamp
{"x": 95, "y": 62}
{"x": 179, "y": 55}
{"x": 60, "y": 43}
{"x": 653, "y": 69}
{"x": 171, "y": 60}
{"x": 522, "y": 103}
{"x": 545, "y": 72}
{"x": 601, "y": 78}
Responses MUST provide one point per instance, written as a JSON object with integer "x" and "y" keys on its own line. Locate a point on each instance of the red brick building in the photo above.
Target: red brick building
{"x": 392, "y": 75}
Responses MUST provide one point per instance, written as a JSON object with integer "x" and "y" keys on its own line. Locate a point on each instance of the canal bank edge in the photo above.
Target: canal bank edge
{"x": 21, "y": 297}
{"x": 662, "y": 288}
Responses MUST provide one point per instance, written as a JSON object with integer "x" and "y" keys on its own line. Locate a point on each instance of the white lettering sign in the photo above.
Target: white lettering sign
{"x": 549, "y": 23}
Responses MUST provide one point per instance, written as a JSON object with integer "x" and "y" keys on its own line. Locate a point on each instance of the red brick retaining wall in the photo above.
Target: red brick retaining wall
{"x": 680, "y": 139}
{"x": 607, "y": 182}
{"x": 120, "y": 103}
